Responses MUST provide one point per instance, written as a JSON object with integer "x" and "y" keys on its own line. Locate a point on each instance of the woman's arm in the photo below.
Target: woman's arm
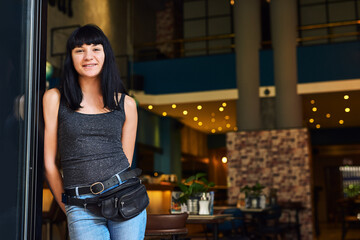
{"x": 129, "y": 129}
{"x": 51, "y": 101}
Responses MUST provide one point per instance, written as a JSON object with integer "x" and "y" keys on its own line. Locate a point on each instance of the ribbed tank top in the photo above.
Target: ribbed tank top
{"x": 90, "y": 145}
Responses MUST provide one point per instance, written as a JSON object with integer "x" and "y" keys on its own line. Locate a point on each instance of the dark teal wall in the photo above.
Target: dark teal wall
{"x": 148, "y": 131}
{"x": 169, "y": 161}
{"x": 162, "y": 133}
{"x": 317, "y": 63}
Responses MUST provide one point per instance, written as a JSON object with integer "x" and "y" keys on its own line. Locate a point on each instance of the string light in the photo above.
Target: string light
{"x": 314, "y": 109}
{"x": 312, "y": 101}
{"x": 228, "y": 125}
{"x": 227, "y": 117}
{"x": 224, "y": 159}
{"x": 195, "y": 119}
{"x": 346, "y": 97}
{"x": 150, "y": 107}
{"x": 213, "y": 130}
{"x": 200, "y": 124}
{"x": 341, "y": 122}
{"x": 164, "y": 114}
{"x": 224, "y": 104}
{"x": 221, "y": 109}
{"x": 199, "y": 107}
{"x": 317, "y": 125}
{"x": 185, "y": 112}
{"x": 213, "y": 120}
{"x": 311, "y": 120}
{"x": 347, "y": 109}
{"x": 220, "y": 128}
{"x": 328, "y": 115}
{"x": 173, "y": 106}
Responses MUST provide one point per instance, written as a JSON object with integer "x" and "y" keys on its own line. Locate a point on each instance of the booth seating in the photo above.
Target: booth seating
{"x": 166, "y": 225}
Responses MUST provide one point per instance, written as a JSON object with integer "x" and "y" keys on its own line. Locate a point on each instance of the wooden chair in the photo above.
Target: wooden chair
{"x": 166, "y": 225}
{"x": 350, "y": 208}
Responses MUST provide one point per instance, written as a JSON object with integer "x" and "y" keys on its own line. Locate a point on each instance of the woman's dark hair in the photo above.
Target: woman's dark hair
{"x": 111, "y": 83}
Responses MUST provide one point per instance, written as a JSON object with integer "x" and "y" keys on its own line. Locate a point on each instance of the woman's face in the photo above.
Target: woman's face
{"x": 88, "y": 60}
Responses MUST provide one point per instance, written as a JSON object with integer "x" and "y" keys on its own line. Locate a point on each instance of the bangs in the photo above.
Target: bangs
{"x": 86, "y": 35}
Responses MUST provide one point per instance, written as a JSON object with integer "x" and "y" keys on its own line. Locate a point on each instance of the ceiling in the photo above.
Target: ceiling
{"x": 211, "y": 118}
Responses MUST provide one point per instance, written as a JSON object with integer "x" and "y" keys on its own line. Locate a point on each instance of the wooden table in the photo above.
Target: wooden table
{"x": 215, "y": 220}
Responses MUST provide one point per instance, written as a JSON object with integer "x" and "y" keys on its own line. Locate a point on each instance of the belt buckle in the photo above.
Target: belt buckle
{"x": 95, "y": 193}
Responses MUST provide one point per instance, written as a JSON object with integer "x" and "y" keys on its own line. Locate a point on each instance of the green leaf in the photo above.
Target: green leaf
{"x": 199, "y": 175}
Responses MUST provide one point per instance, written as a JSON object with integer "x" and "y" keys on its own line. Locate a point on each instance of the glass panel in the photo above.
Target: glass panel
{"x": 314, "y": 33}
{"x": 194, "y": 9}
{"x": 313, "y": 15}
{"x": 345, "y": 29}
{"x": 194, "y": 28}
{"x": 220, "y": 46}
{"x": 343, "y": 11}
{"x": 14, "y": 64}
{"x": 218, "y": 7}
{"x": 311, "y": 1}
{"x": 219, "y": 26}
{"x": 195, "y": 48}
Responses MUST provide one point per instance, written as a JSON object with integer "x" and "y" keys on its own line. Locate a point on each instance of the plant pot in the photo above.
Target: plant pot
{"x": 193, "y": 206}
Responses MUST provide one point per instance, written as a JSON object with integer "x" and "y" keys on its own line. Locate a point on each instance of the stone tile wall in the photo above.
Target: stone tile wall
{"x": 277, "y": 159}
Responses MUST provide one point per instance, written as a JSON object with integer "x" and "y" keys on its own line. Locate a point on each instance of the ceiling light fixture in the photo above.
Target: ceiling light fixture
{"x": 173, "y": 106}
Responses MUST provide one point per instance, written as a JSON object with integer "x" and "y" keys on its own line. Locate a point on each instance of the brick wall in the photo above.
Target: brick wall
{"x": 277, "y": 159}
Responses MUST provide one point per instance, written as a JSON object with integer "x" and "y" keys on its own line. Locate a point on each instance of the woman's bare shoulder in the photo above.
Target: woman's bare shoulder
{"x": 130, "y": 102}
{"x": 51, "y": 98}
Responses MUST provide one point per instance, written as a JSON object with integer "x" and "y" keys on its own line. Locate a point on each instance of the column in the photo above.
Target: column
{"x": 247, "y": 44}
{"x": 284, "y": 32}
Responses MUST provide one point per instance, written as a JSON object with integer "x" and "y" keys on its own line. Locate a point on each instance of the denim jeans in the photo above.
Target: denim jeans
{"x": 83, "y": 225}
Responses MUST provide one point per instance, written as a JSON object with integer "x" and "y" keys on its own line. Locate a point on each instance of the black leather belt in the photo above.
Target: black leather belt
{"x": 99, "y": 187}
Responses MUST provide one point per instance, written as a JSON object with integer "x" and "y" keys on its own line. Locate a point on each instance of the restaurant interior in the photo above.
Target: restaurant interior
{"x": 256, "y": 99}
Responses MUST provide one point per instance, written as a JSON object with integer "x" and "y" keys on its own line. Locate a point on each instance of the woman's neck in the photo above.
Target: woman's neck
{"x": 90, "y": 86}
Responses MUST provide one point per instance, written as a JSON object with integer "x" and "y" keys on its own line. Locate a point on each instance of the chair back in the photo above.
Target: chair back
{"x": 166, "y": 224}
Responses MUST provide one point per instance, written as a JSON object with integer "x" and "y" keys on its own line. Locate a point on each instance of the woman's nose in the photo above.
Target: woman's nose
{"x": 88, "y": 55}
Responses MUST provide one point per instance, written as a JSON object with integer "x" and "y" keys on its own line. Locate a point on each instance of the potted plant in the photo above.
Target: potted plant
{"x": 252, "y": 195}
{"x": 191, "y": 191}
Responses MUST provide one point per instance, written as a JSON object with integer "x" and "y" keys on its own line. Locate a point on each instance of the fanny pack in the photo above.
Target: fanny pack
{"x": 117, "y": 204}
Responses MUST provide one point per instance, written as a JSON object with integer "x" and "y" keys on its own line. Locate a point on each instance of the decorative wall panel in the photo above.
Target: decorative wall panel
{"x": 277, "y": 159}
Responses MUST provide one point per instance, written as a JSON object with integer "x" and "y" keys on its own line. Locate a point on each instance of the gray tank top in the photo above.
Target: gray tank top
{"x": 90, "y": 145}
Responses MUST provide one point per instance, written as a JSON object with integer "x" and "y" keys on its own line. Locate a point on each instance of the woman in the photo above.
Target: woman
{"x": 94, "y": 124}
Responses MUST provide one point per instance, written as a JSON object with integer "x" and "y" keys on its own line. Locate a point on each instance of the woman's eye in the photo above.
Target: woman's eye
{"x": 78, "y": 50}
{"x": 97, "y": 49}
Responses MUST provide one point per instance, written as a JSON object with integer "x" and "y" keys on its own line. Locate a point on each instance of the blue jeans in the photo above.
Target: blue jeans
{"x": 83, "y": 225}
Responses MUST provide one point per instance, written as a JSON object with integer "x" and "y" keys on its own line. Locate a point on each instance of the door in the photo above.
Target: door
{"x": 22, "y": 80}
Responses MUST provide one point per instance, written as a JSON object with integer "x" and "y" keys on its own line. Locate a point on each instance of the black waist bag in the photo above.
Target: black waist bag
{"x": 121, "y": 203}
